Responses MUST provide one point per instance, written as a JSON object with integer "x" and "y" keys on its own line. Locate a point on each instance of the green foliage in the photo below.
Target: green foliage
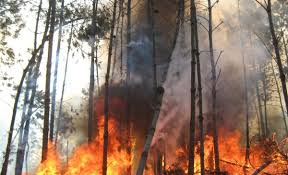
{"x": 11, "y": 24}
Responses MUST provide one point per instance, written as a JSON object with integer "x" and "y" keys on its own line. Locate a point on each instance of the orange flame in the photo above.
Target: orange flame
{"x": 87, "y": 158}
{"x": 51, "y": 165}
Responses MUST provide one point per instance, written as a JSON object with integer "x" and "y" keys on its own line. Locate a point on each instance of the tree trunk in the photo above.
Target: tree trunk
{"x": 63, "y": 87}
{"x": 157, "y": 106}
{"x": 193, "y": 89}
{"x": 52, "y": 3}
{"x": 277, "y": 53}
{"x": 158, "y": 95}
{"x": 260, "y": 109}
{"x": 106, "y": 102}
{"x": 245, "y": 91}
{"x": 121, "y": 37}
{"x": 214, "y": 83}
{"x": 91, "y": 120}
{"x": 29, "y": 85}
{"x": 285, "y": 49}
{"x": 265, "y": 100}
{"x": 19, "y": 89}
{"x": 200, "y": 104}
{"x": 54, "y": 91}
{"x": 116, "y": 43}
{"x": 127, "y": 86}
{"x": 280, "y": 98}
{"x": 20, "y": 151}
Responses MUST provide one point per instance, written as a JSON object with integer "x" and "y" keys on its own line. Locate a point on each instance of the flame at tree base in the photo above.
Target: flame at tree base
{"x": 87, "y": 158}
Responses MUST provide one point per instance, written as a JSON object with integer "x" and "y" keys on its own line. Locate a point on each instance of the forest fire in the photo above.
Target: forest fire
{"x": 232, "y": 156}
{"x": 87, "y": 158}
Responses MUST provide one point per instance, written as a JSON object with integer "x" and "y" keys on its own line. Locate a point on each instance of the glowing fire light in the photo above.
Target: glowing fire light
{"x": 87, "y": 158}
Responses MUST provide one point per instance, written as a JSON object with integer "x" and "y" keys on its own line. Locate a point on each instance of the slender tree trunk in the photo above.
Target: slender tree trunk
{"x": 127, "y": 81}
{"x": 20, "y": 151}
{"x": 19, "y": 89}
{"x": 200, "y": 103}
{"x": 245, "y": 91}
{"x": 265, "y": 100}
{"x": 121, "y": 38}
{"x": 47, "y": 85}
{"x": 63, "y": 87}
{"x": 158, "y": 101}
{"x": 260, "y": 109}
{"x": 214, "y": 83}
{"x": 106, "y": 102}
{"x": 277, "y": 53}
{"x": 193, "y": 89}
{"x": 116, "y": 42}
{"x": 280, "y": 98}
{"x": 53, "y": 104}
{"x": 158, "y": 95}
{"x": 285, "y": 49}
{"x": 97, "y": 67}
{"x": 29, "y": 85}
{"x": 91, "y": 120}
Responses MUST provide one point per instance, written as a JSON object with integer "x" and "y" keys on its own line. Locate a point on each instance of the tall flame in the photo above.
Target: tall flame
{"x": 87, "y": 158}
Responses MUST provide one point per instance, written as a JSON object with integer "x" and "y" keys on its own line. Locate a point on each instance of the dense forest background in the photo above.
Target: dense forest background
{"x": 143, "y": 87}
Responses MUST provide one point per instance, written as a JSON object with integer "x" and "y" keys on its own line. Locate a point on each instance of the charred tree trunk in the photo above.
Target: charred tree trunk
{"x": 200, "y": 103}
{"x": 127, "y": 84}
{"x": 214, "y": 83}
{"x": 63, "y": 87}
{"x": 158, "y": 95}
{"x": 106, "y": 101}
{"x": 116, "y": 40}
{"x": 91, "y": 123}
{"x": 193, "y": 88}
{"x": 121, "y": 37}
{"x": 52, "y": 3}
{"x": 158, "y": 101}
{"x": 54, "y": 91}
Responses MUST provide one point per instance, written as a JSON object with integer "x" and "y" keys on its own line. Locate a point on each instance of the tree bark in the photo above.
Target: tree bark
{"x": 262, "y": 125}
{"x": 63, "y": 87}
{"x": 277, "y": 53}
{"x": 280, "y": 98}
{"x": 200, "y": 103}
{"x": 106, "y": 101}
{"x": 91, "y": 120}
{"x": 157, "y": 106}
{"x": 52, "y": 3}
{"x": 245, "y": 91}
{"x": 54, "y": 91}
{"x": 127, "y": 86}
{"x": 214, "y": 84}
{"x": 193, "y": 89}
{"x": 29, "y": 86}
{"x": 19, "y": 89}
{"x": 265, "y": 100}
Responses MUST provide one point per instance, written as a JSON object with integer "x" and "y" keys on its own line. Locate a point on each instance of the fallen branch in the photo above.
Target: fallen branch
{"x": 236, "y": 164}
{"x": 266, "y": 164}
